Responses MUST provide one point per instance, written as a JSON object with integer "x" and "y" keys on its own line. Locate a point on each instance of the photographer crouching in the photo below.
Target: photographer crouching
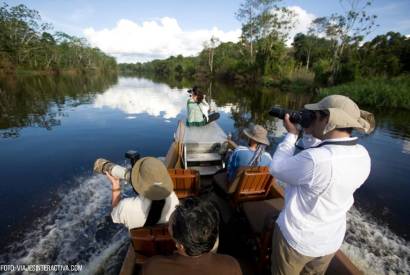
{"x": 320, "y": 182}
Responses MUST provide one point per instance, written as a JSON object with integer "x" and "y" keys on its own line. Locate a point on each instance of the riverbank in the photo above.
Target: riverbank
{"x": 376, "y": 91}
{"x": 67, "y": 72}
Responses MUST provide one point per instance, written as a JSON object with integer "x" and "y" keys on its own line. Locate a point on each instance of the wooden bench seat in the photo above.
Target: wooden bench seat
{"x": 150, "y": 241}
{"x": 186, "y": 182}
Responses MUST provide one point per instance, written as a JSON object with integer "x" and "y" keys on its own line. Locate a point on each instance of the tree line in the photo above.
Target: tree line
{"x": 26, "y": 43}
{"x": 333, "y": 51}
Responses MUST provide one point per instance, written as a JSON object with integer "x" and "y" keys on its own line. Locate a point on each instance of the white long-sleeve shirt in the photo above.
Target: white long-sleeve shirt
{"x": 319, "y": 191}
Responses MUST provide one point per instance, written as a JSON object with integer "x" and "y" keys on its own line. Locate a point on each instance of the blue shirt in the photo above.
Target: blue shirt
{"x": 241, "y": 157}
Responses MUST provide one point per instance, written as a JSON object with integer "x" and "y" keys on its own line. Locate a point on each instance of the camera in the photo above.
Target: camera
{"x": 102, "y": 165}
{"x": 304, "y": 117}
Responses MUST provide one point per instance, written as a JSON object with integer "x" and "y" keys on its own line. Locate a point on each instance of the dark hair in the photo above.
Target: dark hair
{"x": 195, "y": 89}
{"x": 323, "y": 114}
{"x": 195, "y": 225}
{"x": 199, "y": 95}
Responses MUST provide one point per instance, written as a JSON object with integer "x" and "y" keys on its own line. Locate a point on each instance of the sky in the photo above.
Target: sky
{"x": 141, "y": 30}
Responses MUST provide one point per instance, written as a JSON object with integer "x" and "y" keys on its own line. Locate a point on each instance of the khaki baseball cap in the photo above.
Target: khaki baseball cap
{"x": 257, "y": 133}
{"x": 150, "y": 178}
{"x": 344, "y": 113}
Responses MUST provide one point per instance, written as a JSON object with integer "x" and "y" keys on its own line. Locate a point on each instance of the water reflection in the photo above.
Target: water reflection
{"x": 89, "y": 113}
{"x": 137, "y": 96}
{"x": 38, "y": 100}
{"x": 251, "y": 105}
{"x": 406, "y": 147}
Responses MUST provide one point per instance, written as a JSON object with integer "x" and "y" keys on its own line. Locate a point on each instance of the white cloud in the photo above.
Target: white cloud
{"x": 303, "y": 19}
{"x": 129, "y": 41}
{"x": 137, "y": 96}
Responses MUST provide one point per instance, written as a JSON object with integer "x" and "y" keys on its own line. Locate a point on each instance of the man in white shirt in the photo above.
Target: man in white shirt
{"x": 320, "y": 182}
{"x": 155, "y": 201}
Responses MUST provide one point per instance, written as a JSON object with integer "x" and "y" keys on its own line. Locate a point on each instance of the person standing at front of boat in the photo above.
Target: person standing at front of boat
{"x": 155, "y": 201}
{"x": 320, "y": 182}
{"x": 198, "y": 109}
{"x": 195, "y": 116}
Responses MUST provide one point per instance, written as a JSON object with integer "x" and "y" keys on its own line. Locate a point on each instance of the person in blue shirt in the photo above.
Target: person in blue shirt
{"x": 251, "y": 156}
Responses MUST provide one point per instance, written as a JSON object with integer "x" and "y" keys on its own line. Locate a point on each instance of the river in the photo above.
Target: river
{"x": 55, "y": 211}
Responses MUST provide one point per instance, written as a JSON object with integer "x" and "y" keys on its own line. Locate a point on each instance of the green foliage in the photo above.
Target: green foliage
{"x": 262, "y": 57}
{"x": 346, "y": 29}
{"x": 387, "y": 54}
{"x": 323, "y": 71}
{"x": 44, "y": 96}
{"x": 26, "y": 43}
{"x": 375, "y": 91}
{"x": 309, "y": 49}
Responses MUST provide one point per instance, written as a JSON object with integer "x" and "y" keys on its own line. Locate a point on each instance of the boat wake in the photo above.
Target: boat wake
{"x": 374, "y": 248}
{"x": 78, "y": 231}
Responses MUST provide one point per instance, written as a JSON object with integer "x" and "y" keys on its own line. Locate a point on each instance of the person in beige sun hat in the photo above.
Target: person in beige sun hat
{"x": 320, "y": 183}
{"x": 152, "y": 179}
{"x": 155, "y": 200}
{"x": 343, "y": 113}
{"x": 257, "y": 133}
{"x": 253, "y": 155}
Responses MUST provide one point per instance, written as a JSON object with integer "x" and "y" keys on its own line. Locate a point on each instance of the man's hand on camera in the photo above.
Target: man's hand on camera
{"x": 115, "y": 182}
{"x": 290, "y": 127}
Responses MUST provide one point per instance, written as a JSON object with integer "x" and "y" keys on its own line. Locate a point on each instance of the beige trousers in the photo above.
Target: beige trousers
{"x": 287, "y": 261}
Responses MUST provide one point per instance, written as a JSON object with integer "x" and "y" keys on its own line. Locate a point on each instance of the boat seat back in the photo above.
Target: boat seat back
{"x": 186, "y": 182}
{"x": 150, "y": 241}
{"x": 254, "y": 184}
{"x": 172, "y": 156}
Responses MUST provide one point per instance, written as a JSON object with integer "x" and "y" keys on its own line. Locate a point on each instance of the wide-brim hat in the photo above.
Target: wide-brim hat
{"x": 344, "y": 113}
{"x": 150, "y": 178}
{"x": 257, "y": 133}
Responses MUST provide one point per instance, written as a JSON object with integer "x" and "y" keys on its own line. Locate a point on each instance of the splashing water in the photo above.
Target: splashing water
{"x": 78, "y": 231}
{"x": 373, "y": 248}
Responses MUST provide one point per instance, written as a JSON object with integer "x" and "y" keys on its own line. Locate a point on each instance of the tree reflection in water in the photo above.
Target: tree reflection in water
{"x": 37, "y": 101}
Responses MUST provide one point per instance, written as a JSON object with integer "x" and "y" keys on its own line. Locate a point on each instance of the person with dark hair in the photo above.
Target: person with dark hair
{"x": 194, "y": 226}
{"x": 320, "y": 182}
{"x": 198, "y": 109}
{"x": 195, "y": 116}
{"x": 155, "y": 200}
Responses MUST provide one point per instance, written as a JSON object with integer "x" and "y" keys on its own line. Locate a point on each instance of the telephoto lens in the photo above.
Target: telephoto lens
{"x": 294, "y": 116}
{"x": 102, "y": 165}
{"x": 304, "y": 118}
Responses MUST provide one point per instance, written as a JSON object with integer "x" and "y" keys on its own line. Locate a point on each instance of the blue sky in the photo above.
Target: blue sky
{"x": 105, "y": 23}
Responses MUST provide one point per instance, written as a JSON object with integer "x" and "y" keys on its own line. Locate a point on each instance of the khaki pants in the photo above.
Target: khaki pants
{"x": 287, "y": 261}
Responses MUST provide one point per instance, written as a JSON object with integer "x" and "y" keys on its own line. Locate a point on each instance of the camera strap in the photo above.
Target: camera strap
{"x": 350, "y": 142}
{"x": 155, "y": 212}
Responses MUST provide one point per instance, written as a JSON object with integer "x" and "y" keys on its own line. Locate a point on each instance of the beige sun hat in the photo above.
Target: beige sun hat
{"x": 150, "y": 178}
{"x": 257, "y": 133}
{"x": 344, "y": 113}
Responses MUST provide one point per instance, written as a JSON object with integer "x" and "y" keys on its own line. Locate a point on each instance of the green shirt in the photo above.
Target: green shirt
{"x": 194, "y": 115}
